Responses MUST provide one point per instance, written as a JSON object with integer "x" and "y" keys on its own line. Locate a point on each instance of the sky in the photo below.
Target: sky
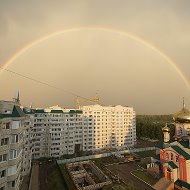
{"x": 101, "y": 49}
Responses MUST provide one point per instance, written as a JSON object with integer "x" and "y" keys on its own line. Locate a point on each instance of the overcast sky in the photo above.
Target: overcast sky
{"x": 89, "y": 59}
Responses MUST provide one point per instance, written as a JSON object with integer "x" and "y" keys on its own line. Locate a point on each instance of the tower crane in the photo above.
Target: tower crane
{"x": 80, "y": 100}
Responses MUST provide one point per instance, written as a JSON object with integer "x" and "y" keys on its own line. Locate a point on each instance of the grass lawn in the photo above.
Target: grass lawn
{"x": 145, "y": 176}
{"x": 148, "y": 153}
{"x": 54, "y": 179}
{"x": 143, "y": 165}
{"x": 101, "y": 162}
{"x": 67, "y": 178}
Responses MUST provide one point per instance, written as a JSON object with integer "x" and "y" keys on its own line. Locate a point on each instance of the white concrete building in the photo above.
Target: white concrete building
{"x": 58, "y": 131}
{"x": 112, "y": 126}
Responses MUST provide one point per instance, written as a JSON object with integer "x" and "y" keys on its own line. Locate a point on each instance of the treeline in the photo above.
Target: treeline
{"x": 150, "y": 126}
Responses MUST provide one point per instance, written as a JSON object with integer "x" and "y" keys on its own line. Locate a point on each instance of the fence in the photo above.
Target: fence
{"x": 78, "y": 159}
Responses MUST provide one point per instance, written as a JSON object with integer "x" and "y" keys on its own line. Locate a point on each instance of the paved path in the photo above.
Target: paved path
{"x": 123, "y": 170}
{"x": 35, "y": 177}
{"x": 44, "y": 176}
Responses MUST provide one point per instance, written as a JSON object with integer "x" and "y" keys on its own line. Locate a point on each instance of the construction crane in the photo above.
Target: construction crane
{"x": 80, "y": 100}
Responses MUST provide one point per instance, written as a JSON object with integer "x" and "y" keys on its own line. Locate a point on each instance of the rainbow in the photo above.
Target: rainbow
{"x": 118, "y": 32}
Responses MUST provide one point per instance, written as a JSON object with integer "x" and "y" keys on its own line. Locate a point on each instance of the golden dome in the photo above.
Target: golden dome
{"x": 182, "y": 116}
{"x": 166, "y": 128}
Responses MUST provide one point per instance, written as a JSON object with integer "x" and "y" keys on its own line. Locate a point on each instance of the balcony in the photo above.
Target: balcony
{"x": 3, "y": 180}
{"x": 4, "y": 148}
{"x": 3, "y": 164}
{"x": 16, "y": 145}
{"x": 14, "y": 174}
{"x": 5, "y": 132}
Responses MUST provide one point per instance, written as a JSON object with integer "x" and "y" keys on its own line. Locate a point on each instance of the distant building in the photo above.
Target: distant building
{"x": 175, "y": 152}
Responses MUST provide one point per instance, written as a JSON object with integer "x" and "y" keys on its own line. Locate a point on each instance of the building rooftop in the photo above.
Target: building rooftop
{"x": 185, "y": 144}
{"x": 16, "y": 112}
{"x": 56, "y": 111}
{"x": 181, "y": 152}
{"x": 173, "y": 165}
{"x": 181, "y": 184}
{"x": 33, "y": 111}
{"x": 161, "y": 144}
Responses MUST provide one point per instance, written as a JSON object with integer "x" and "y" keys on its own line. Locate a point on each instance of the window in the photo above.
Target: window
{"x": 3, "y": 157}
{"x": 7, "y": 126}
{"x": 180, "y": 130}
{"x": 14, "y": 139}
{"x": 13, "y": 184}
{"x": 172, "y": 156}
{"x": 4, "y": 141}
{"x": 167, "y": 156}
{"x": 2, "y": 173}
{"x": 12, "y": 154}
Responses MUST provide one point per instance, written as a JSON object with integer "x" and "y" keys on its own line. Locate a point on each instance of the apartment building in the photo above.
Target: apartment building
{"x": 58, "y": 131}
{"x": 110, "y": 126}
{"x": 15, "y": 147}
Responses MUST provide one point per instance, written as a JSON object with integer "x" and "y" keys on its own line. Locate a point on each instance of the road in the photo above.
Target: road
{"x": 123, "y": 170}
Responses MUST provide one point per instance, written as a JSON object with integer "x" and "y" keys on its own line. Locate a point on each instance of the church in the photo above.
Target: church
{"x": 174, "y": 153}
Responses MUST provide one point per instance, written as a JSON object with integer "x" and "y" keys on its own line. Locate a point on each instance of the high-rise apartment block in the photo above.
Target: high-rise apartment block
{"x": 56, "y": 131}
{"x": 15, "y": 145}
{"x": 112, "y": 126}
